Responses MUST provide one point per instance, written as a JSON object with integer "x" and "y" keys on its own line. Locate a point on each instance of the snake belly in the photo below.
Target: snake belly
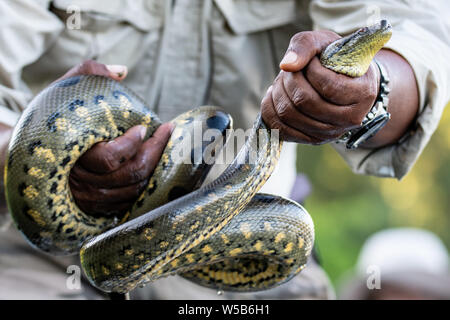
{"x": 223, "y": 235}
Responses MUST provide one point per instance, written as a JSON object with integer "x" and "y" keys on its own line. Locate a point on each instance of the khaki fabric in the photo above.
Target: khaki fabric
{"x": 185, "y": 53}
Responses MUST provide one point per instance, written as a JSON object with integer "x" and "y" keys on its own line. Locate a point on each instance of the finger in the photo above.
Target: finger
{"x": 109, "y": 156}
{"x": 271, "y": 119}
{"x": 309, "y": 102}
{"x": 338, "y": 88}
{"x": 85, "y": 192}
{"x": 304, "y": 46}
{"x": 91, "y": 67}
{"x": 147, "y": 158}
{"x": 137, "y": 169}
{"x": 293, "y": 117}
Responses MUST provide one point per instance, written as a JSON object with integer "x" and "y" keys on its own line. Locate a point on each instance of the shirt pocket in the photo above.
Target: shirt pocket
{"x": 248, "y": 16}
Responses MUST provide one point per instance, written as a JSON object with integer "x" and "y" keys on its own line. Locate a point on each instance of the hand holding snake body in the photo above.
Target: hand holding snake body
{"x": 111, "y": 175}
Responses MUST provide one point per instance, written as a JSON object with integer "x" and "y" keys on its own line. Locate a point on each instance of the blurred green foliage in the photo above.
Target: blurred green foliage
{"x": 348, "y": 208}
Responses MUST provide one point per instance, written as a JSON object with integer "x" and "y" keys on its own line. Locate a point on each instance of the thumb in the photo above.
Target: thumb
{"x": 303, "y": 47}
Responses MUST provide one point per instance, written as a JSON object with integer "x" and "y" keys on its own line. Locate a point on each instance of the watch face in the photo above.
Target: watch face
{"x": 368, "y": 130}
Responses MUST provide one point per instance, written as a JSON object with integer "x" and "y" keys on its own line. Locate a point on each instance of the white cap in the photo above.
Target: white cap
{"x": 404, "y": 249}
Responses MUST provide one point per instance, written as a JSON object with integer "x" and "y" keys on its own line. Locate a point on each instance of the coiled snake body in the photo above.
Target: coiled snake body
{"x": 223, "y": 235}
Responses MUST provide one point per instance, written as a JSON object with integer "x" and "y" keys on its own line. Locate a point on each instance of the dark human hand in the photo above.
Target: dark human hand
{"x": 110, "y": 176}
{"x": 311, "y": 104}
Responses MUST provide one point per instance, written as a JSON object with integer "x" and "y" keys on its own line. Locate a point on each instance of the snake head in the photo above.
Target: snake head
{"x": 352, "y": 55}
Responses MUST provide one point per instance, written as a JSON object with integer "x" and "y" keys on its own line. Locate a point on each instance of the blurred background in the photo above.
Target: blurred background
{"x": 347, "y": 208}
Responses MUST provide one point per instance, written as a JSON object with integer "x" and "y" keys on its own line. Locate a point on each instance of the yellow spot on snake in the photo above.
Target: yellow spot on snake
{"x": 129, "y": 252}
{"x": 235, "y": 252}
{"x": 105, "y": 270}
{"x": 206, "y": 249}
{"x": 174, "y": 263}
{"x": 141, "y": 256}
{"x": 126, "y": 114}
{"x": 190, "y": 257}
{"x": 109, "y": 115}
{"x": 141, "y": 197}
{"x": 194, "y": 226}
{"x": 119, "y": 266}
{"x": 279, "y": 237}
{"x": 289, "y": 247}
{"x": 146, "y": 119}
{"x": 103, "y": 131}
{"x": 164, "y": 244}
{"x": 36, "y": 172}
{"x": 258, "y": 245}
{"x": 179, "y": 237}
{"x": 75, "y": 153}
{"x": 301, "y": 242}
{"x": 245, "y": 229}
{"x": 82, "y": 112}
{"x": 225, "y": 238}
{"x": 149, "y": 233}
{"x": 31, "y": 192}
{"x": 69, "y": 226}
{"x": 36, "y": 217}
{"x": 45, "y": 154}
{"x": 151, "y": 183}
{"x": 165, "y": 158}
{"x": 61, "y": 124}
{"x": 124, "y": 102}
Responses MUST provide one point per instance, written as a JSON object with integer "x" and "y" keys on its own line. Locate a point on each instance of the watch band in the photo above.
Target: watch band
{"x": 375, "y": 119}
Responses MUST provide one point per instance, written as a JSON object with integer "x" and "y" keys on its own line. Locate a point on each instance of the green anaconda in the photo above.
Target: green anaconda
{"x": 223, "y": 235}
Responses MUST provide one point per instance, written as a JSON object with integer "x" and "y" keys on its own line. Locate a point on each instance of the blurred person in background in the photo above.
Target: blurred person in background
{"x": 181, "y": 54}
{"x": 400, "y": 264}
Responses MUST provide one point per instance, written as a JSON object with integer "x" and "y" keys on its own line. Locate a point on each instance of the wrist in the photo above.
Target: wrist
{"x": 377, "y": 116}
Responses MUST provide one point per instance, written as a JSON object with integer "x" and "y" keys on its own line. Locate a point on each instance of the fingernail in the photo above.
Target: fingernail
{"x": 143, "y": 131}
{"x": 172, "y": 127}
{"x": 119, "y": 70}
{"x": 289, "y": 58}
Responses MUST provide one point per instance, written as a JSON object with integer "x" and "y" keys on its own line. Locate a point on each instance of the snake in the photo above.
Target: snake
{"x": 222, "y": 234}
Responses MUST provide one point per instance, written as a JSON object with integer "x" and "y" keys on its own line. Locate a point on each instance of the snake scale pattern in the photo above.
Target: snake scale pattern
{"x": 223, "y": 235}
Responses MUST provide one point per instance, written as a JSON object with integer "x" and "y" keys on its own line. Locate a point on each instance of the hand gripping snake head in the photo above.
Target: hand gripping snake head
{"x": 352, "y": 55}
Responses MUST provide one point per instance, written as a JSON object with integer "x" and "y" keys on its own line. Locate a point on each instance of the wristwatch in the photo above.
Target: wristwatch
{"x": 376, "y": 119}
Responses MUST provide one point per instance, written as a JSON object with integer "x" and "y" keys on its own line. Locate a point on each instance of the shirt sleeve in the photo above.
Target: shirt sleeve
{"x": 28, "y": 28}
{"x": 421, "y": 34}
